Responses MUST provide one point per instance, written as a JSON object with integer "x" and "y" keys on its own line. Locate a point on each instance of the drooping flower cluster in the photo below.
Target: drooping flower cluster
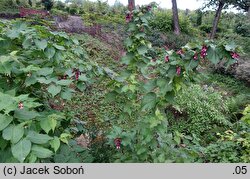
{"x": 178, "y": 70}
{"x": 166, "y": 58}
{"x": 118, "y": 142}
{"x": 77, "y": 73}
{"x": 204, "y": 51}
{"x": 235, "y": 55}
{"x": 149, "y": 7}
{"x": 129, "y": 17}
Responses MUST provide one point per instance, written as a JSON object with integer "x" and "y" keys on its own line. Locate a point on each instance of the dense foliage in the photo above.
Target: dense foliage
{"x": 39, "y": 69}
{"x": 63, "y": 97}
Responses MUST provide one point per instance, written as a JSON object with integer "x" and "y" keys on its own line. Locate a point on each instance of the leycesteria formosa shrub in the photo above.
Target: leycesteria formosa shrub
{"x": 147, "y": 86}
{"x": 39, "y": 70}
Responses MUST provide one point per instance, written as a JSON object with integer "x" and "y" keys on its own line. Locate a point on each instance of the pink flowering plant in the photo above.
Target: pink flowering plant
{"x": 147, "y": 86}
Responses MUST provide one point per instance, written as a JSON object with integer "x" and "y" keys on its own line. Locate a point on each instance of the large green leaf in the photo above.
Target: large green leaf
{"x": 213, "y": 55}
{"x": 64, "y": 82}
{"x": 23, "y": 114}
{"x": 142, "y": 50}
{"x": 67, "y": 94}
{"x": 128, "y": 42}
{"x": 164, "y": 86}
{"x": 59, "y": 47}
{"x": 16, "y": 29}
{"x": 150, "y": 85}
{"x": 49, "y": 123}
{"x": 41, "y": 152}
{"x": 149, "y": 101}
{"x": 50, "y": 52}
{"x": 45, "y": 71}
{"x": 13, "y": 133}
{"x": 5, "y": 121}
{"x": 41, "y": 44}
{"x": 6, "y": 64}
{"x": 55, "y": 143}
{"x": 127, "y": 58}
{"x": 54, "y": 90}
{"x": 21, "y": 150}
{"x": 37, "y": 138}
{"x": 6, "y": 102}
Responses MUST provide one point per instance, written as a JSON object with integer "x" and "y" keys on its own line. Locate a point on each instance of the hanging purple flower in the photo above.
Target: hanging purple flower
{"x": 129, "y": 17}
{"x": 203, "y": 51}
{"x": 235, "y": 55}
{"x": 166, "y": 58}
{"x": 118, "y": 142}
{"x": 178, "y": 71}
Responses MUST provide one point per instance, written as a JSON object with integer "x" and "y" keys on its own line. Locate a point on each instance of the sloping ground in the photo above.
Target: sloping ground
{"x": 112, "y": 39}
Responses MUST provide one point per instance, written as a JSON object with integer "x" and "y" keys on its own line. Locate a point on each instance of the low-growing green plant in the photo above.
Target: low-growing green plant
{"x": 231, "y": 147}
{"x": 201, "y": 110}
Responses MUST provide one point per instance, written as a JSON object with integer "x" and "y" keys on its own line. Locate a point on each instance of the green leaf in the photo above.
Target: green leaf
{"x": 64, "y": 82}
{"x": 50, "y": 52}
{"x": 6, "y": 102}
{"x": 128, "y": 42}
{"x": 149, "y": 101}
{"x": 13, "y": 133}
{"x": 83, "y": 77}
{"x": 23, "y": 114}
{"x": 213, "y": 55}
{"x": 41, "y": 152}
{"x": 132, "y": 27}
{"x": 54, "y": 90}
{"x": 150, "y": 85}
{"x": 21, "y": 150}
{"x": 75, "y": 41}
{"x": 177, "y": 139}
{"x": 45, "y": 71}
{"x": 48, "y": 123}
{"x": 67, "y": 94}
{"x": 41, "y": 44}
{"x": 16, "y": 29}
{"x": 64, "y": 137}
{"x": 5, "y": 121}
{"x": 55, "y": 143}
{"x": 59, "y": 47}
{"x": 32, "y": 158}
{"x": 139, "y": 35}
{"x": 27, "y": 43}
{"x": 44, "y": 80}
{"x": 6, "y": 65}
{"x": 37, "y": 138}
{"x": 45, "y": 125}
{"x": 164, "y": 86}
{"x": 127, "y": 58}
{"x": 142, "y": 50}
{"x": 30, "y": 80}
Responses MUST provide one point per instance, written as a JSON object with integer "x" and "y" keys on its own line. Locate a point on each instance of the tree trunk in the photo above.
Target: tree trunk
{"x": 216, "y": 19}
{"x": 131, "y": 5}
{"x": 177, "y": 30}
